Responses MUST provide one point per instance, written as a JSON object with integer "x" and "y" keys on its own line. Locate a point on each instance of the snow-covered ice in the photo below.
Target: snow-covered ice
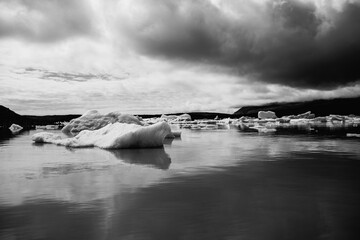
{"x": 112, "y": 136}
{"x": 93, "y": 120}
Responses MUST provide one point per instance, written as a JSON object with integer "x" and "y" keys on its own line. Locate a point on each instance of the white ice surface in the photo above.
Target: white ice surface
{"x": 93, "y": 120}
{"x": 112, "y": 136}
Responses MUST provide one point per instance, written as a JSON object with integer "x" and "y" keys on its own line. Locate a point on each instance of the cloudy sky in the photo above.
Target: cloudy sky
{"x": 163, "y": 56}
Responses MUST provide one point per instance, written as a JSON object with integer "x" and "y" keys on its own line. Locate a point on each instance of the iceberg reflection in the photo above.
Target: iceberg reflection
{"x": 156, "y": 157}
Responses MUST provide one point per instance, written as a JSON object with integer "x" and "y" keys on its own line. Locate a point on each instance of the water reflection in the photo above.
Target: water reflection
{"x": 256, "y": 200}
{"x": 221, "y": 185}
{"x": 335, "y": 129}
{"x": 156, "y": 157}
{"x": 4, "y": 136}
{"x": 68, "y": 168}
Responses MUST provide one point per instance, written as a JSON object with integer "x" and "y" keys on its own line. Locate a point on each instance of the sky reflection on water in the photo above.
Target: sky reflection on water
{"x": 208, "y": 185}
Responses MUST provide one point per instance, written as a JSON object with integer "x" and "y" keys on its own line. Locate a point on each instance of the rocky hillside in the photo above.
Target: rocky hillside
{"x": 8, "y": 117}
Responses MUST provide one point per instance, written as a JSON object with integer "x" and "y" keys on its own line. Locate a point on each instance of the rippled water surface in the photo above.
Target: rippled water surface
{"x": 220, "y": 184}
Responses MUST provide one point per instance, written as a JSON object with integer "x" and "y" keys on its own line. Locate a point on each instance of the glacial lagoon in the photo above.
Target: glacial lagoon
{"x": 214, "y": 184}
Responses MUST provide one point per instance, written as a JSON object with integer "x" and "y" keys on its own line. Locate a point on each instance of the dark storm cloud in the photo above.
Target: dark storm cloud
{"x": 45, "y": 21}
{"x": 287, "y": 42}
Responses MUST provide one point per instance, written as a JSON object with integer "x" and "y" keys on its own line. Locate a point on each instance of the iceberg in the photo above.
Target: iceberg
{"x": 93, "y": 120}
{"x": 113, "y": 136}
{"x": 266, "y": 115}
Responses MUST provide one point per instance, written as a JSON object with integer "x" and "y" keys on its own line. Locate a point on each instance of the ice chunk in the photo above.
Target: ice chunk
{"x": 266, "y": 114}
{"x": 93, "y": 120}
{"x": 184, "y": 117}
{"x": 45, "y": 137}
{"x": 353, "y": 135}
{"x": 263, "y": 129}
{"x": 112, "y": 136}
{"x": 14, "y": 128}
{"x": 306, "y": 115}
{"x": 168, "y": 117}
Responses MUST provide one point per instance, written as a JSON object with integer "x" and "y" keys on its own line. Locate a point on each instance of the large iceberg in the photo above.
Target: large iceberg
{"x": 93, "y": 120}
{"x": 112, "y": 136}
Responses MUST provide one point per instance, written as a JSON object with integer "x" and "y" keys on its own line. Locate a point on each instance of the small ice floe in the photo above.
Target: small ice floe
{"x": 184, "y": 117}
{"x": 47, "y": 127}
{"x": 45, "y": 137}
{"x": 14, "y": 128}
{"x": 266, "y": 115}
{"x": 112, "y": 136}
{"x": 187, "y": 126}
{"x": 263, "y": 129}
{"x": 195, "y": 127}
{"x": 52, "y": 127}
{"x": 168, "y": 117}
{"x": 221, "y": 125}
{"x": 208, "y": 127}
{"x": 353, "y": 134}
{"x": 306, "y": 115}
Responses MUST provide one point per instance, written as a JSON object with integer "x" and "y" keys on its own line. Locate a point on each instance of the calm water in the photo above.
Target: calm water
{"x": 208, "y": 185}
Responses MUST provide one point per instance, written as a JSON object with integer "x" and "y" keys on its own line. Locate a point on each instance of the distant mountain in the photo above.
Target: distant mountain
{"x": 8, "y": 117}
{"x": 50, "y": 119}
{"x": 341, "y": 106}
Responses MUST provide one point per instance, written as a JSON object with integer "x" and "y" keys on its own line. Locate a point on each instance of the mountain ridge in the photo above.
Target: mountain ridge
{"x": 320, "y": 107}
{"x": 8, "y": 117}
